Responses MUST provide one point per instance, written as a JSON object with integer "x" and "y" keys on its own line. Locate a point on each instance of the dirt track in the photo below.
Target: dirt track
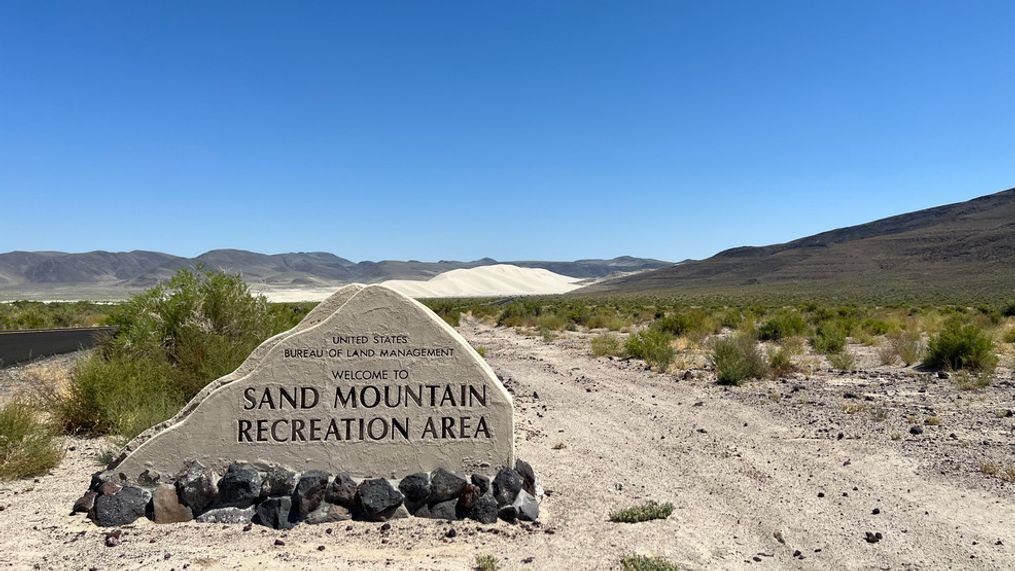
{"x": 742, "y": 467}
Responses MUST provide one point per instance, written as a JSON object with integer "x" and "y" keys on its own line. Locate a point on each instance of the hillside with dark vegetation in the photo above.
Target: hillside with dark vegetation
{"x": 962, "y": 251}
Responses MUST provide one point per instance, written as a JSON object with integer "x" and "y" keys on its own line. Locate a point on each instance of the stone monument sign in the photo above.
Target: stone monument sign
{"x": 371, "y": 383}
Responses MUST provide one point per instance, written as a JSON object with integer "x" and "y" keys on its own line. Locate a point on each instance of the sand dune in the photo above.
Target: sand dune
{"x": 496, "y": 280}
{"x": 484, "y": 281}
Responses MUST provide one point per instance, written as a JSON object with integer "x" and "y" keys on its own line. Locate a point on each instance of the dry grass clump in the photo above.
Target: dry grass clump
{"x": 853, "y": 407}
{"x": 606, "y": 344}
{"x": 971, "y": 381}
{"x": 780, "y": 363}
{"x": 28, "y": 446}
{"x": 991, "y": 468}
{"x": 646, "y": 563}
{"x": 647, "y": 511}
{"x": 486, "y": 563}
{"x": 843, "y": 360}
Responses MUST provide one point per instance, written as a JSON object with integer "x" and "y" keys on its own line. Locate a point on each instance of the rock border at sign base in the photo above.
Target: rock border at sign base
{"x": 281, "y": 499}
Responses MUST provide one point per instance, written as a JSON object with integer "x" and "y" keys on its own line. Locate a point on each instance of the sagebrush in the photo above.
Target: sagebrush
{"x": 737, "y": 358}
{"x": 172, "y": 341}
{"x": 28, "y": 446}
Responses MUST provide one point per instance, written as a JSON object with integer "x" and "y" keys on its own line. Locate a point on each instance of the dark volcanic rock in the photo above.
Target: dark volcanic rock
{"x": 85, "y": 503}
{"x": 416, "y": 487}
{"x": 196, "y": 487}
{"x": 121, "y": 508}
{"x": 342, "y": 491}
{"x": 524, "y": 469}
{"x": 377, "y": 495}
{"x": 443, "y": 510}
{"x": 444, "y": 485}
{"x": 278, "y": 481}
{"x": 166, "y": 506}
{"x": 916, "y": 429}
{"x": 506, "y": 486}
{"x": 507, "y": 513}
{"x": 240, "y": 487}
{"x": 421, "y": 510}
{"x": 274, "y": 512}
{"x": 484, "y": 510}
{"x": 483, "y": 482}
{"x": 310, "y": 492}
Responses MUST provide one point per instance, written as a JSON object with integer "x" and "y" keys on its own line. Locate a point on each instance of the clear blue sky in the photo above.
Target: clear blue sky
{"x": 517, "y": 130}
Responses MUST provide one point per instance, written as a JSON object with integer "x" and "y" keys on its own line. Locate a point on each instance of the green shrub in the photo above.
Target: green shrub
{"x": 785, "y": 323}
{"x": 872, "y": 326}
{"x": 644, "y": 512}
{"x": 646, "y": 563}
{"x": 1009, "y": 310}
{"x": 448, "y": 310}
{"x": 552, "y": 322}
{"x": 961, "y": 346}
{"x": 521, "y": 313}
{"x": 653, "y": 346}
{"x": 1009, "y": 336}
{"x": 121, "y": 396}
{"x": 608, "y": 319}
{"x": 28, "y": 447}
{"x": 606, "y": 345}
{"x": 42, "y": 315}
{"x": 829, "y": 337}
{"x": 694, "y": 323}
{"x": 843, "y": 360}
{"x": 734, "y": 318}
{"x": 736, "y": 359}
{"x": 172, "y": 341}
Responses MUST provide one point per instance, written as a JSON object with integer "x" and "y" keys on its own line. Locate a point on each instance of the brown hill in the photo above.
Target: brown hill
{"x": 961, "y": 251}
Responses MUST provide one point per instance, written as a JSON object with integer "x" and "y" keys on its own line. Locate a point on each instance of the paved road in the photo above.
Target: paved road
{"x": 18, "y": 346}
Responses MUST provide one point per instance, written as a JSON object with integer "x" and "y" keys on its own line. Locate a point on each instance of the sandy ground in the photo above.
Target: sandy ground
{"x": 806, "y": 459}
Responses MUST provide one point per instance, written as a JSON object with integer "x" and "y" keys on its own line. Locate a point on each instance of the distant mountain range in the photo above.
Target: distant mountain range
{"x": 111, "y": 274}
{"x": 962, "y": 251}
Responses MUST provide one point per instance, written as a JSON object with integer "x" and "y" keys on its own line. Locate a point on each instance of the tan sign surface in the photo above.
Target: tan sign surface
{"x": 371, "y": 383}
